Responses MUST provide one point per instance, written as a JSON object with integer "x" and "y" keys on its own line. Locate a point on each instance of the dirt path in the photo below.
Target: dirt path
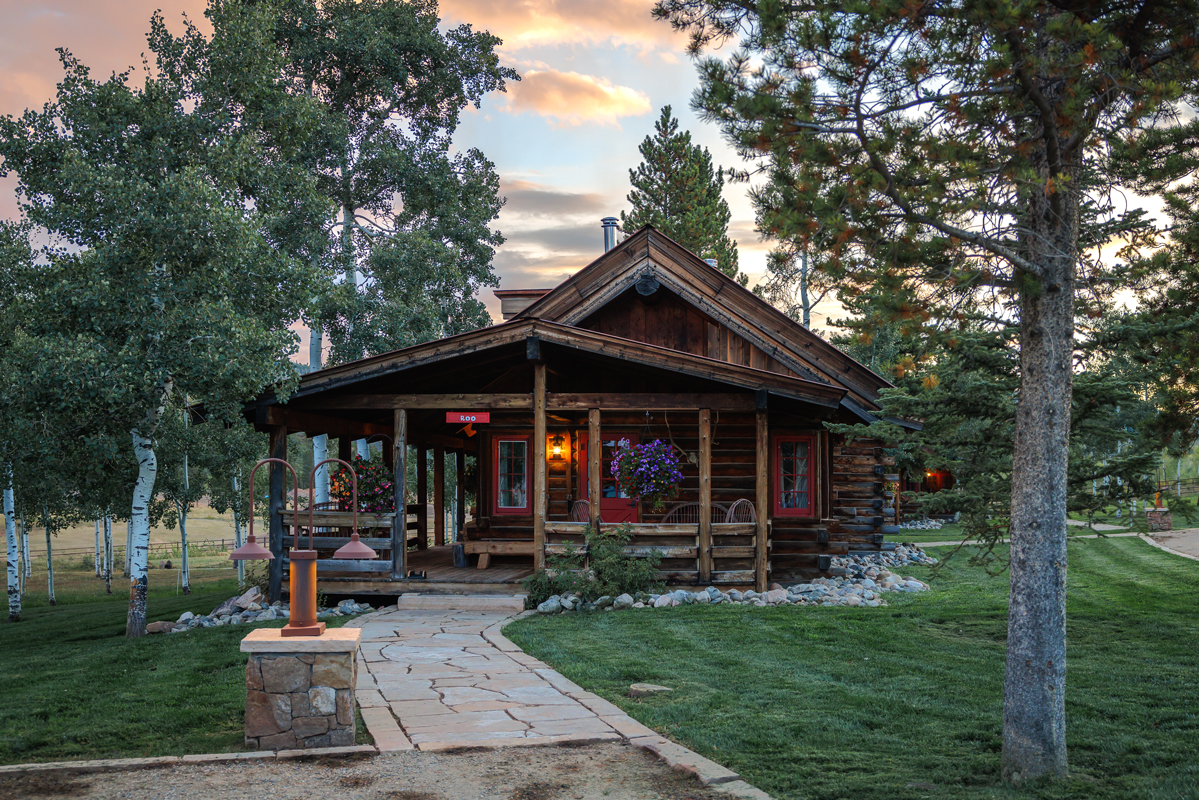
{"x": 1184, "y": 541}
{"x": 594, "y": 772}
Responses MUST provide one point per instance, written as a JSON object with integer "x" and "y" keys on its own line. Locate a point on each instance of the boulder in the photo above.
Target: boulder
{"x": 603, "y": 602}
{"x": 664, "y": 601}
{"x": 186, "y": 616}
{"x": 228, "y": 607}
{"x": 160, "y": 627}
{"x": 551, "y": 606}
{"x": 623, "y": 601}
{"x": 252, "y": 596}
{"x": 775, "y": 596}
{"x": 647, "y": 689}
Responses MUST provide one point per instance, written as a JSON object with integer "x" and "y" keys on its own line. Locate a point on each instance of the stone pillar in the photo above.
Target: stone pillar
{"x": 300, "y": 689}
{"x": 1159, "y": 519}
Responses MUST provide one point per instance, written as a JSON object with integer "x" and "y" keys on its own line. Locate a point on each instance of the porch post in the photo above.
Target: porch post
{"x": 705, "y": 495}
{"x": 343, "y": 449}
{"x": 539, "y": 478}
{"x": 438, "y": 495}
{"x": 762, "y": 501}
{"x": 422, "y": 496}
{"x": 399, "y": 522}
{"x": 595, "y": 449}
{"x": 278, "y": 493}
{"x": 460, "y": 507}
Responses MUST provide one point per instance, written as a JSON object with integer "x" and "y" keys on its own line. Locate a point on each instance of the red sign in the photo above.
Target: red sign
{"x": 462, "y": 417}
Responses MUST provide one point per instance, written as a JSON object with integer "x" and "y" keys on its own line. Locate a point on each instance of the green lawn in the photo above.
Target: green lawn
{"x": 949, "y": 532}
{"x": 905, "y": 702}
{"x": 75, "y": 688}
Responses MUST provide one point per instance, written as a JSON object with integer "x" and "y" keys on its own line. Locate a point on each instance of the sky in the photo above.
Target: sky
{"x": 594, "y": 77}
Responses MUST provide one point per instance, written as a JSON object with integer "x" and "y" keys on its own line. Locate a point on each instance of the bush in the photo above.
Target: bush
{"x": 604, "y": 570}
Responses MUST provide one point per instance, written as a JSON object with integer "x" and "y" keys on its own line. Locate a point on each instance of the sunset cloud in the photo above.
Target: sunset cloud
{"x": 525, "y": 198}
{"x": 529, "y": 23}
{"x": 572, "y": 98}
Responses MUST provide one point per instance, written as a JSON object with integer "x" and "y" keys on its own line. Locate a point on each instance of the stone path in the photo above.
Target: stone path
{"x": 438, "y": 679}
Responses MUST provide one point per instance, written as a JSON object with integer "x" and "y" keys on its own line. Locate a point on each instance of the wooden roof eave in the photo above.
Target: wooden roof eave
{"x": 614, "y": 273}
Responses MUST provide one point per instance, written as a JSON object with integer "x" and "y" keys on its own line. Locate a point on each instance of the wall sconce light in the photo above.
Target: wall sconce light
{"x": 556, "y": 442}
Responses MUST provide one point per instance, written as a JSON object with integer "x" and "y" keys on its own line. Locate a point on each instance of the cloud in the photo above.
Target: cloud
{"x": 529, "y": 23}
{"x": 526, "y": 198}
{"x": 573, "y": 98}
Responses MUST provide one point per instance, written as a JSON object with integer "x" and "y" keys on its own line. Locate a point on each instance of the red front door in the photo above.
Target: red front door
{"x": 615, "y": 506}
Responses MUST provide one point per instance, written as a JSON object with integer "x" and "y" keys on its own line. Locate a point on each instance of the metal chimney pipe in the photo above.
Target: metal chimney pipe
{"x": 609, "y": 224}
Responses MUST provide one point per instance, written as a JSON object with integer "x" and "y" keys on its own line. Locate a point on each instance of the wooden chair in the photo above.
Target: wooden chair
{"x": 580, "y": 511}
{"x": 688, "y": 514}
{"x": 742, "y": 511}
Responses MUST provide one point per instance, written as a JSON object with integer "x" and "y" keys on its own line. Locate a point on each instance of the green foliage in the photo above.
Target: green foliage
{"x": 676, "y": 190}
{"x": 604, "y": 569}
{"x": 408, "y": 241}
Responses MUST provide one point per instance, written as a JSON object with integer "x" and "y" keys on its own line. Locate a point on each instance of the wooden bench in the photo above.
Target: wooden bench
{"x": 486, "y": 548}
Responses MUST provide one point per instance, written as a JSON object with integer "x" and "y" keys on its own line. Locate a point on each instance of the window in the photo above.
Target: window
{"x": 794, "y": 476}
{"x": 511, "y": 474}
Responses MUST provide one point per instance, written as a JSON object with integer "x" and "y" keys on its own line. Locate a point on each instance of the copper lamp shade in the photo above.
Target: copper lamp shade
{"x": 251, "y": 551}
{"x": 355, "y": 549}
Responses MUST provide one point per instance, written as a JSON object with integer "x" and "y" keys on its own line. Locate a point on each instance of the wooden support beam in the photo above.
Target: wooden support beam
{"x": 298, "y": 420}
{"x": 388, "y": 452}
{"x": 344, "y": 445}
{"x": 438, "y": 495}
{"x": 762, "y": 499}
{"x": 595, "y": 449}
{"x": 422, "y": 497}
{"x": 399, "y": 523}
{"x": 555, "y": 401}
{"x": 705, "y": 495}
{"x": 460, "y": 500}
{"x": 279, "y": 476}
{"x": 539, "y": 475}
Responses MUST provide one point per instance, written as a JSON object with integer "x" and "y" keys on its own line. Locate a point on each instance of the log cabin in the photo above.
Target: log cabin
{"x": 647, "y": 342}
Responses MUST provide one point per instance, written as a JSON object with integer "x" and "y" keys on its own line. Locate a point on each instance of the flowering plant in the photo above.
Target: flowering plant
{"x": 375, "y": 492}
{"x": 648, "y": 471}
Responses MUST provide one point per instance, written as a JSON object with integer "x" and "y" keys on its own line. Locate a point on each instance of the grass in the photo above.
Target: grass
{"x": 75, "y": 688}
{"x": 906, "y": 702}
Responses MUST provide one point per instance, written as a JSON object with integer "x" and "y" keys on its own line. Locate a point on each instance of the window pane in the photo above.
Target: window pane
{"x": 510, "y": 473}
{"x": 793, "y": 475}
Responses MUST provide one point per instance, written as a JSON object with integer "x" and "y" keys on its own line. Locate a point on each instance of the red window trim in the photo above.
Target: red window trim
{"x": 495, "y": 474}
{"x": 810, "y": 510}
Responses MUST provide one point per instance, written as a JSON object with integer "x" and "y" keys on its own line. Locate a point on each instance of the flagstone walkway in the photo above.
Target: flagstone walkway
{"x": 438, "y": 679}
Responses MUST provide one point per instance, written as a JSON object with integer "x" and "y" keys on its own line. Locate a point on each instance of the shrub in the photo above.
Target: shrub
{"x": 605, "y": 570}
{"x": 375, "y": 481}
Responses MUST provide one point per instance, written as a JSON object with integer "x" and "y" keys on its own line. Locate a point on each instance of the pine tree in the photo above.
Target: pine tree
{"x": 676, "y": 190}
{"x": 970, "y": 140}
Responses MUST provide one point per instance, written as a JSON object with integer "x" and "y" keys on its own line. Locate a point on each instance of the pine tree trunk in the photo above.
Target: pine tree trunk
{"x": 108, "y": 555}
{"x": 97, "y": 559}
{"x": 1034, "y": 709}
{"x": 139, "y": 527}
{"x": 13, "y": 560}
{"x": 49, "y": 556}
{"x": 241, "y": 565}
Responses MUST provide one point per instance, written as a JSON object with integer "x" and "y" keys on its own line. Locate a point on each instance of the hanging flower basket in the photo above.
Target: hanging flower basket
{"x": 648, "y": 471}
{"x": 375, "y": 481}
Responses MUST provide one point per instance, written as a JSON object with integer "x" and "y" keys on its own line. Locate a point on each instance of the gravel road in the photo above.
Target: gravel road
{"x": 592, "y": 772}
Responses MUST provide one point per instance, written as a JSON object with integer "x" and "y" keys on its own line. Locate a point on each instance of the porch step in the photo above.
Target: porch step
{"x": 461, "y": 602}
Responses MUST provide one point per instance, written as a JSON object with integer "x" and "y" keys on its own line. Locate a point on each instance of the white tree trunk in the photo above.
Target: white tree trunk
{"x": 14, "y": 549}
{"x": 128, "y": 544}
{"x": 184, "y": 571}
{"x": 241, "y": 565}
{"x": 139, "y": 527}
{"x": 108, "y": 555}
{"x": 49, "y": 557}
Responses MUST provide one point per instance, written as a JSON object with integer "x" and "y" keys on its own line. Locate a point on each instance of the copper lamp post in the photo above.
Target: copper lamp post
{"x": 302, "y": 563}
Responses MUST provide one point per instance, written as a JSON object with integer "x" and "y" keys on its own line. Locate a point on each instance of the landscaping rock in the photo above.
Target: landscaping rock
{"x": 160, "y": 627}
{"x": 603, "y": 602}
{"x": 228, "y": 607}
{"x": 623, "y": 601}
{"x": 551, "y": 606}
{"x": 775, "y": 596}
{"x": 251, "y": 597}
{"x": 664, "y": 601}
{"x": 647, "y": 689}
{"x": 186, "y": 616}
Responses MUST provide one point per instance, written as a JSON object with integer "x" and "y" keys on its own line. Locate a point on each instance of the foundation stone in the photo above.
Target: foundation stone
{"x": 300, "y": 689}
{"x": 1159, "y": 519}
